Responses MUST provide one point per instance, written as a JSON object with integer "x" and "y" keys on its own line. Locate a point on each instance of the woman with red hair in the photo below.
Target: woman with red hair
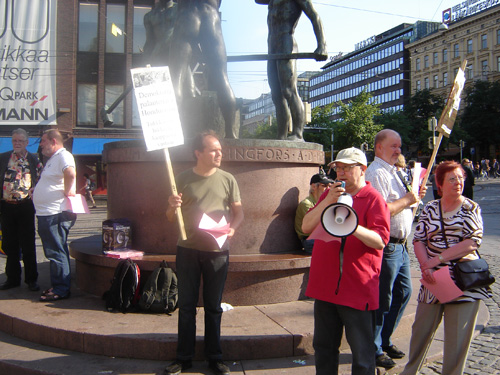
{"x": 450, "y": 229}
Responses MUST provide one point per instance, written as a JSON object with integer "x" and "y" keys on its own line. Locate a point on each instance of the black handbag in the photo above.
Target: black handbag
{"x": 470, "y": 274}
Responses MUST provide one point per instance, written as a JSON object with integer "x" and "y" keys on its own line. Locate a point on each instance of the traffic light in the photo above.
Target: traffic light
{"x": 431, "y": 143}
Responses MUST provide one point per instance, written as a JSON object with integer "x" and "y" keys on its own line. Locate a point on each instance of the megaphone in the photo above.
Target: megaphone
{"x": 339, "y": 219}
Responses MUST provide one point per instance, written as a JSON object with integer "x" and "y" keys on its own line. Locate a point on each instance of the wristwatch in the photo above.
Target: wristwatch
{"x": 440, "y": 256}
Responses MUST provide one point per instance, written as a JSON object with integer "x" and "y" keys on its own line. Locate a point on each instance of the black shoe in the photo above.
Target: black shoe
{"x": 9, "y": 285}
{"x": 219, "y": 367}
{"x": 393, "y": 351}
{"x": 177, "y": 367}
{"x": 383, "y": 360}
{"x": 34, "y": 287}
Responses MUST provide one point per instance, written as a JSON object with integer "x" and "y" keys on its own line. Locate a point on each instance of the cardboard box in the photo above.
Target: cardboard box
{"x": 116, "y": 234}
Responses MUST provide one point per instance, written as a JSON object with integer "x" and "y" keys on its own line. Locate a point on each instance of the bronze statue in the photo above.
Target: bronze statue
{"x": 159, "y": 24}
{"x": 282, "y": 19}
{"x": 198, "y": 26}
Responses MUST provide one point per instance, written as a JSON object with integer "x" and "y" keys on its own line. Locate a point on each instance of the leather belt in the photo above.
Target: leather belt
{"x": 15, "y": 201}
{"x": 397, "y": 240}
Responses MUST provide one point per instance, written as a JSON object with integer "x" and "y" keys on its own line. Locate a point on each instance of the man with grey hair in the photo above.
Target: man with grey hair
{"x": 19, "y": 172}
{"x": 395, "y": 277}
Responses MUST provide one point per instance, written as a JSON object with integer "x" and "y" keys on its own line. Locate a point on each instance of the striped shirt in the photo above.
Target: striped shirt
{"x": 461, "y": 224}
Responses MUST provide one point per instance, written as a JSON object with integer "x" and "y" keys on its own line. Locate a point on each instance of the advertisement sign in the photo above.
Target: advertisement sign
{"x": 157, "y": 106}
{"x": 28, "y": 62}
{"x": 467, "y": 8}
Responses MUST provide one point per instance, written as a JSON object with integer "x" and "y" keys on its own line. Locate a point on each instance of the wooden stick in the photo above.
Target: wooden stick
{"x": 171, "y": 178}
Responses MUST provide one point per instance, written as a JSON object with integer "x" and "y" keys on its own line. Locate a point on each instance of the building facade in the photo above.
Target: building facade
{"x": 380, "y": 65}
{"x": 474, "y": 36}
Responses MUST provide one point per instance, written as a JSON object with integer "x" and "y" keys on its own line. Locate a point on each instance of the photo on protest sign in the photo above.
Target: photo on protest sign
{"x": 157, "y": 108}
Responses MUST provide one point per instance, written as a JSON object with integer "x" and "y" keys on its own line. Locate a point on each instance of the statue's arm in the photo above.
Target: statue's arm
{"x": 308, "y": 9}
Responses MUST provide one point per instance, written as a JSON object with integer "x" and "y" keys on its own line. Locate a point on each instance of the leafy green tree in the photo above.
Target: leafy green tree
{"x": 357, "y": 125}
{"x": 398, "y": 121}
{"x": 263, "y": 131}
{"x": 418, "y": 110}
{"x": 480, "y": 119}
{"x": 321, "y": 126}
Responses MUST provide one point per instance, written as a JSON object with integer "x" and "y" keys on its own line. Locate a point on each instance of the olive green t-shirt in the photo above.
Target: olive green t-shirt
{"x": 212, "y": 195}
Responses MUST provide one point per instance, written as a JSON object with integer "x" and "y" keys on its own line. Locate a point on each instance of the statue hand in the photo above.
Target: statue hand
{"x": 321, "y": 54}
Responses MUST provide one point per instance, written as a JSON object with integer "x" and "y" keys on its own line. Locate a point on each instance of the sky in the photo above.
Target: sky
{"x": 345, "y": 23}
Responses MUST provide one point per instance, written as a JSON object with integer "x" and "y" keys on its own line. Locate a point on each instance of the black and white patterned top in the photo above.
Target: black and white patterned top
{"x": 461, "y": 224}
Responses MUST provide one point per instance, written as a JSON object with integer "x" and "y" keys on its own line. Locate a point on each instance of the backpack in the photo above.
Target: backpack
{"x": 160, "y": 291}
{"x": 92, "y": 185}
{"x": 124, "y": 291}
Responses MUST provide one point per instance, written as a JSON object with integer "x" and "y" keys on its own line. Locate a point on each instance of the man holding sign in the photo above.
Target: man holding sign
{"x": 395, "y": 277}
{"x": 204, "y": 189}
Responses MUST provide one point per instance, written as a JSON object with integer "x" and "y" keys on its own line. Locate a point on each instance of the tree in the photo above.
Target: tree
{"x": 263, "y": 131}
{"x": 480, "y": 118}
{"x": 398, "y": 121}
{"x": 356, "y": 125}
{"x": 418, "y": 110}
{"x": 319, "y": 130}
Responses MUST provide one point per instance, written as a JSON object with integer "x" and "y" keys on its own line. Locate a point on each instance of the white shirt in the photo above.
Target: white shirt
{"x": 383, "y": 177}
{"x": 48, "y": 197}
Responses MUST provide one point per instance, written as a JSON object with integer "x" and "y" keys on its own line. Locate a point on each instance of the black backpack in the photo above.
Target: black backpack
{"x": 160, "y": 291}
{"x": 124, "y": 291}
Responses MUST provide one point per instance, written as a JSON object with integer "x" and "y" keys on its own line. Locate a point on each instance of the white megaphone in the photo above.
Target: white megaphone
{"x": 339, "y": 219}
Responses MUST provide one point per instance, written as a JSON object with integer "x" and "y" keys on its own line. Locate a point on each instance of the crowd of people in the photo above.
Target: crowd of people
{"x": 361, "y": 284}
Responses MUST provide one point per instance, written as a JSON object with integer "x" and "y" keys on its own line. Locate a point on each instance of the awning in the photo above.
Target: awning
{"x": 6, "y": 144}
{"x": 92, "y": 146}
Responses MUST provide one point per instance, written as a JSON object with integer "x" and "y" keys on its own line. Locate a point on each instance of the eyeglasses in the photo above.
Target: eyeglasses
{"x": 453, "y": 180}
{"x": 345, "y": 169}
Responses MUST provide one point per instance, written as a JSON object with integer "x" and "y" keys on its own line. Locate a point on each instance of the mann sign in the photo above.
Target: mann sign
{"x": 27, "y": 62}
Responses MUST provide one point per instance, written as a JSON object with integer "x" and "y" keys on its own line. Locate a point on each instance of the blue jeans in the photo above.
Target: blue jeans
{"x": 53, "y": 231}
{"x": 395, "y": 292}
{"x": 308, "y": 245}
{"x": 329, "y": 321}
{"x": 191, "y": 265}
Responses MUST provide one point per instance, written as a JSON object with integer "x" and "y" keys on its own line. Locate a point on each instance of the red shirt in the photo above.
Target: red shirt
{"x": 359, "y": 286}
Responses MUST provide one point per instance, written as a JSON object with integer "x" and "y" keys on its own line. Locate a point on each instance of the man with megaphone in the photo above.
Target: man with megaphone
{"x": 345, "y": 284}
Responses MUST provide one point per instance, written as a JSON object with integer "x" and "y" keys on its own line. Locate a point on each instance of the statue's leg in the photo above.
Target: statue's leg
{"x": 288, "y": 79}
{"x": 283, "y": 117}
{"x": 214, "y": 49}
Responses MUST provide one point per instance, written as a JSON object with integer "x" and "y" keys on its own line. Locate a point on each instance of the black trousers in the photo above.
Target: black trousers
{"x": 18, "y": 235}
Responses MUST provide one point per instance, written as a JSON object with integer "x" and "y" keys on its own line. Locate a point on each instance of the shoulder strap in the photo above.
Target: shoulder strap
{"x": 403, "y": 180}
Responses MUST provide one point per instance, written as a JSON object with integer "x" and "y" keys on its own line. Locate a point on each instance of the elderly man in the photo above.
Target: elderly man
{"x": 204, "y": 189}
{"x": 395, "y": 278}
{"x": 318, "y": 184}
{"x": 19, "y": 172}
{"x": 53, "y": 212}
{"x": 345, "y": 284}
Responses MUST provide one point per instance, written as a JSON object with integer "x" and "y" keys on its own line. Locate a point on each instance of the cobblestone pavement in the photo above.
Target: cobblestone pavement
{"x": 484, "y": 353}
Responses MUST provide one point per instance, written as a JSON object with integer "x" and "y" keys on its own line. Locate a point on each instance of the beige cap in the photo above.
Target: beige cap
{"x": 351, "y": 155}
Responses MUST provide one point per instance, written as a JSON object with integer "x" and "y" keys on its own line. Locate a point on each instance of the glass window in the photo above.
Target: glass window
{"x": 498, "y": 36}
{"x": 456, "y": 52}
{"x": 484, "y": 41}
{"x": 111, "y": 93}
{"x": 445, "y": 78}
{"x": 470, "y": 72}
{"x": 86, "y": 102}
{"x": 498, "y": 64}
{"x": 484, "y": 67}
{"x": 469, "y": 45}
{"x": 418, "y": 86}
{"x": 139, "y": 30}
{"x": 435, "y": 58}
{"x": 426, "y": 61}
{"x": 445, "y": 55}
{"x": 417, "y": 64}
{"x": 436, "y": 81}
{"x": 115, "y": 27}
{"x": 87, "y": 27}
{"x": 426, "y": 83}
